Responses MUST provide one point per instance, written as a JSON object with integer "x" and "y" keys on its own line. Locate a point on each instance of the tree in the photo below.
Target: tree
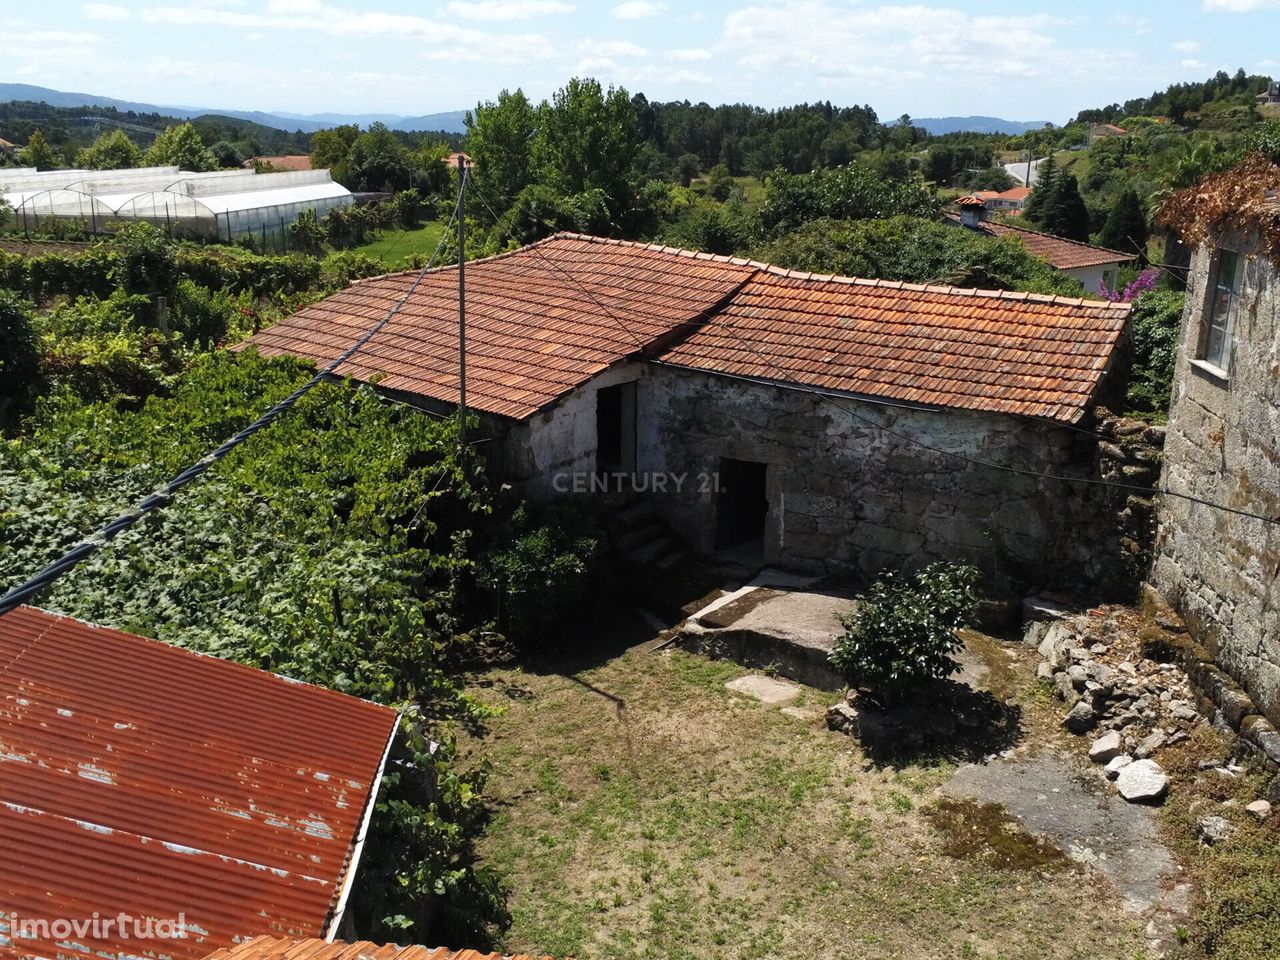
{"x": 1065, "y": 214}
{"x": 227, "y": 154}
{"x": 182, "y": 147}
{"x": 378, "y": 161}
{"x": 330, "y": 149}
{"x": 851, "y": 192}
{"x": 586, "y": 139}
{"x": 500, "y": 140}
{"x": 37, "y": 153}
{"x": 688, "y": 166}
{"x": 1126, "y": 226}
{"x": 1046, "y": 182}
{"x": 111, "y": 151}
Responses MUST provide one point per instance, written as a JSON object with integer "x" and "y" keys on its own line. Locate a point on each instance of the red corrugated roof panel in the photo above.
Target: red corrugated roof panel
{"x": 141, "y": 778}
{"x": 270, "y": 948}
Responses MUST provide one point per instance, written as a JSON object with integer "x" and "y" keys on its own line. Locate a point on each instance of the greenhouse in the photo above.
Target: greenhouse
{"x": 223, "y": 204}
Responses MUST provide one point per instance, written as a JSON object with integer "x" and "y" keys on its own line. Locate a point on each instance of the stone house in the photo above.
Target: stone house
{"x": 820, "y": 423}
{"x": 1220, "y": 569}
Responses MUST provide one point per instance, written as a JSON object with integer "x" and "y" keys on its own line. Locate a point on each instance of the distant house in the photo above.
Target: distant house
{"x": 280, "y": 164}
{"x": 821, "y": 423}
{"x": 7, "y": 148}
{"x": 452, "y": 160}
{"x": 140, "y": 779}
{"x": 1092, "y": 266}
{"x": 1009, "y": 202}
{"x": 1101, "y": 130}
{"x": 1220, "y": 568}
{"x": 1271, "y": 95}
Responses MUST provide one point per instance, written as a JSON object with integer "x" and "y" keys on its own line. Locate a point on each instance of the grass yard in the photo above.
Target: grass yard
{"x": 642, "y": 810}
{"x": 392, "y": 246}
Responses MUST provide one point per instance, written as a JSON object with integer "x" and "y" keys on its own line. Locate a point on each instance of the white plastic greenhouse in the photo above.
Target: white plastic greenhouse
{"x": 224, "y": 204}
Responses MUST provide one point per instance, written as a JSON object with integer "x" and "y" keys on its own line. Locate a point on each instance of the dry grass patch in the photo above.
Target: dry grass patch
{"x": 644, "y": 811}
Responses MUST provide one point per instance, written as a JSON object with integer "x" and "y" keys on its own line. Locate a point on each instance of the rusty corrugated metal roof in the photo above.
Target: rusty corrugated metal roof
{"x": 141, "y": 778}
{"x": 534, "y": 333}
{"x": 271, "y": 948}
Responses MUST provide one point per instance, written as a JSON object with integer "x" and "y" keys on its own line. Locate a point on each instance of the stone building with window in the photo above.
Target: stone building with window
{"x": 1220, "y": 569}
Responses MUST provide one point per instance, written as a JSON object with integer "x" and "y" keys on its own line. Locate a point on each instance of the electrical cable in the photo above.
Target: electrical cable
{"x": 165, "y": 492}
{"x": 706, "y": 316}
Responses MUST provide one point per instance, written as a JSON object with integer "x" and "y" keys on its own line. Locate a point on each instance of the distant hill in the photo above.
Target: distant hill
{"x": 937, "y": 126}
{"x": 450, "y": 122}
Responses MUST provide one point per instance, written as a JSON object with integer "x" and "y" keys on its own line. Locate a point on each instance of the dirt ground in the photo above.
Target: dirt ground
{"x": 643, "y": 810}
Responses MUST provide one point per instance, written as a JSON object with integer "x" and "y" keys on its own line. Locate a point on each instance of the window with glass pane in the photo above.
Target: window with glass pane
{"x": 1226, "y": 288}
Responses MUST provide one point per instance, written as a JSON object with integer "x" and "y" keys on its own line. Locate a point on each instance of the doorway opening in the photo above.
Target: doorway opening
{"x": 741, "y": 507}
{"x": 616, "y": 429}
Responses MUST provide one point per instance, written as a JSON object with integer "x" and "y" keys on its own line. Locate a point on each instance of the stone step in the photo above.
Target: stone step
{"x": 644, "y": 532}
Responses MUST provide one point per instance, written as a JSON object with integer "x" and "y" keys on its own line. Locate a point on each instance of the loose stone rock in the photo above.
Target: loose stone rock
{"x": 1106, "y": 748}
{"x": 1214, "y": 829}
{"x": 1260, "y": 810}
{"x": 1081, "y": 719}
{"x": 1150, "y": 744}
{"x": 1112, "y": 769}
{"x": 1142, "y": 781}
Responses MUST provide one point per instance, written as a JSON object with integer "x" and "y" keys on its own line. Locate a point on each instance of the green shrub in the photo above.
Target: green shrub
{"x": 19, "y": 359}
{"x": 902, "y": 631}
{"x": 1155, "y": 326}
{"x": 544, "y": 573}
{"x": 343, "y": 268}
{"x": 201, "y": 316}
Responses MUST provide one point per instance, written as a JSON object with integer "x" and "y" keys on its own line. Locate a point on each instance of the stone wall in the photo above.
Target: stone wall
{"x": 1217, "y": 569}
{"x": 846, "y": 495}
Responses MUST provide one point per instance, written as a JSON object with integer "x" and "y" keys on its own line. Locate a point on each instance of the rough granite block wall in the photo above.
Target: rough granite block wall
{"x": 1217, "y": 569}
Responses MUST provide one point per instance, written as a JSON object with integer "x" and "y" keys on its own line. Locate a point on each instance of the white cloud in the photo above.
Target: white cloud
{"x": 508, "y": 9}
{"x": 1138, "y": 26}
{"x": 688, "y": 55}
{"x": 104, "y": 11}
{"x": 893, "y": 44}
{"x": 1187, "y": 46}
{"x": 448, "y": 41}
{"x": 1193, "y": 64}
{"x": 638, "y": 9}
{"x": 1241, "y": 6}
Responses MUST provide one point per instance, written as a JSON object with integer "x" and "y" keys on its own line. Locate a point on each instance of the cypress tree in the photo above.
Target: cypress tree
{"x": 1126, "y": 226}
{"x": 1042, "y": 195}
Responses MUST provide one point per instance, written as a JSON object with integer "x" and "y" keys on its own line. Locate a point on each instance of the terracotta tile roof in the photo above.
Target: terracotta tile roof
{"x": 290, "y": 162}
{"x": 1013, "y": 194}
{"x": 532, "y": 333}
{"x": 141, "y": 778}
{"x": 270, "y": 948}
{"x": 978, "y": 350}
{"x": 536, "y": 335}
{"x": 1063, "y": 254}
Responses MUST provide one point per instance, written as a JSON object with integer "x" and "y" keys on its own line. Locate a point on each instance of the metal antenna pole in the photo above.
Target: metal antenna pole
{"x": 462, "y": 302}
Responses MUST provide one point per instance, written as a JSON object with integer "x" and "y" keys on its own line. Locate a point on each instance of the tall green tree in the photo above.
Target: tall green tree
{"x": 1126, "y": 226}
{"x": 111, "y": 151}
{"x": 378, "y": 161}
{"x": 181, "y": 146}
{"x": 500, "y": 139}
{"x": 331, "y": 148}
{"x": 1065, "y": 214}
{"x": 37, "y": 153}
{"x": 1046, "y": 182}
{"x": 587, "y": 139}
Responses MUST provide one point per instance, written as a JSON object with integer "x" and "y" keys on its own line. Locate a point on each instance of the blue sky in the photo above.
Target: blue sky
{"x": 1024, "y": 60}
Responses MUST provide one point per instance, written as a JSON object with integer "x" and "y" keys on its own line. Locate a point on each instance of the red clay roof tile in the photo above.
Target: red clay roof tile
{"x": 271, "y": 948}
{"x": 1063, "y": 254}
{"x": 545, "y": 319}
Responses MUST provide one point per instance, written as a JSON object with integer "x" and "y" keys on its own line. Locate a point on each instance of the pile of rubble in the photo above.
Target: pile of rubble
{"x": 1138, "y": 706}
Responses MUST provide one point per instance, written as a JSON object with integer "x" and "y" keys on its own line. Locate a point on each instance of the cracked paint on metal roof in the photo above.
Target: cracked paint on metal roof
{"x": 139, "y": 778}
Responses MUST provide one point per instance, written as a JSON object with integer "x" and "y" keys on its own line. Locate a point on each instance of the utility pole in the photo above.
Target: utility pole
{"x": 462, "y": 303}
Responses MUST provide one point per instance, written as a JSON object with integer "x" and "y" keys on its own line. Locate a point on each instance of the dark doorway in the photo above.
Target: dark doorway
{"x": 741, "y": 505}
{"x": 616, "y": 429}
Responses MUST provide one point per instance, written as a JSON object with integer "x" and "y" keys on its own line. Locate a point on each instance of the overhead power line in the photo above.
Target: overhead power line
{"x": 836, "y": 399}
{"x": 161, "y": 496}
